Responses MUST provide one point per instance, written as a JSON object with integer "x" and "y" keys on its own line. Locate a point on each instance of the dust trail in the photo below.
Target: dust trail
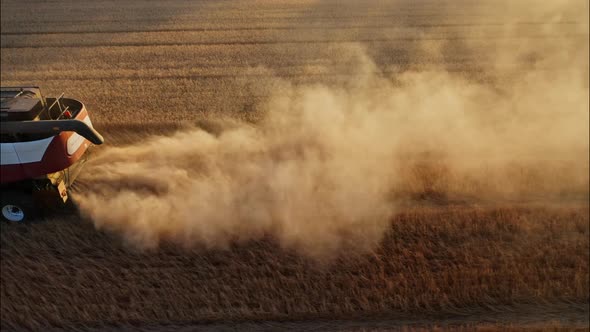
{"x": 325, "y": 167}
{"x": 311, "y": 174}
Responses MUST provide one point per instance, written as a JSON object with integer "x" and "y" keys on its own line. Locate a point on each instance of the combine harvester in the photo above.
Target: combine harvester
{"x": 44, "y": 143}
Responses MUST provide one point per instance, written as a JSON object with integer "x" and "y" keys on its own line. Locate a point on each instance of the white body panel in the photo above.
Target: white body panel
{"x": 24, "y": 152}
{"x": 75, "y": 141}
{"x": 8, "y": 154}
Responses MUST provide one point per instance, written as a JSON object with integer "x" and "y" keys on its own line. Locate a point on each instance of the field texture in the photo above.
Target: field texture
{"x": 307, "y": 164}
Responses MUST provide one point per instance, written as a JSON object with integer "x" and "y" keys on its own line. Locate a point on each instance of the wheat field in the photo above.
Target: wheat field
{"x": 309, "y": 164}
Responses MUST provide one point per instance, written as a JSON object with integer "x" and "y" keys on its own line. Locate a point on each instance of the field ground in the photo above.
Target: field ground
{"x": 481, "y": 262}
{"x": 145, "y": 68}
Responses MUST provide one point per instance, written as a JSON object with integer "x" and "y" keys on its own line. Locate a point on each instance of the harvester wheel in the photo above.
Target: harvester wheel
{"x": 17, "y": 207}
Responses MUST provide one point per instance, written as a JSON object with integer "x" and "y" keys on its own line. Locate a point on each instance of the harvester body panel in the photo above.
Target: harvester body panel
{"x": 43, "y": 144}
{"x": 30, "y": 159}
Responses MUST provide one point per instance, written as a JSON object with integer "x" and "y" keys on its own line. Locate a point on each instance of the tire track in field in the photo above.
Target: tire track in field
{"x": 244, "y": 75}
{"x": 310, "y": 41}
{"x": 344, "y": 27}
{"x": 405, "y": 16}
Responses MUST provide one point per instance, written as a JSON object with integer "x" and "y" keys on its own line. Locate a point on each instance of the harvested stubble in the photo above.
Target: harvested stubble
{"x": 435, "y": 261}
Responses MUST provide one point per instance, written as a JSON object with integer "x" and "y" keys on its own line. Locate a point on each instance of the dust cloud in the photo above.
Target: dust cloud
{"x": 328, "y": 164}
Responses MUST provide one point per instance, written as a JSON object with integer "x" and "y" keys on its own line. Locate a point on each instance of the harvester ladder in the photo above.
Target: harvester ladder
{"x": 57, "y": 102}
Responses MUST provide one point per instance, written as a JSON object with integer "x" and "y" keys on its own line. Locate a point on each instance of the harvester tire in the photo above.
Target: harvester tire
{"x": 18, "y": 207}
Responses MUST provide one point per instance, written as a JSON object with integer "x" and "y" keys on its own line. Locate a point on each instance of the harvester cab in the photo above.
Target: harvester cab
{"x": 44, "y": 143}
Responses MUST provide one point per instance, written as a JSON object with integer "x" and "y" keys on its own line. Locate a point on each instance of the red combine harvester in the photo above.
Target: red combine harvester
{"x": 44, "y": 143}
